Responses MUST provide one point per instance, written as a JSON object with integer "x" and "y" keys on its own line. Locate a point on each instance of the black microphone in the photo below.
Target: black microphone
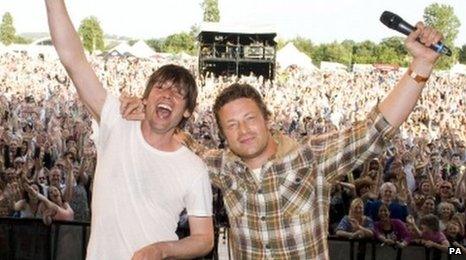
{"x": 395, "y": 22}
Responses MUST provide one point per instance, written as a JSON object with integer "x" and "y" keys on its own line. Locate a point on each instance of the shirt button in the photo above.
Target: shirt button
{"x": 259, "y": 191}
{"x": 267, "y": 246}
{"x": 297, "y": 180}
{"x": 263, "y": 218}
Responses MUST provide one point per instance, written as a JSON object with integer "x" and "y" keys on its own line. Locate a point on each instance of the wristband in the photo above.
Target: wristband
{"x": 418, "y": 78}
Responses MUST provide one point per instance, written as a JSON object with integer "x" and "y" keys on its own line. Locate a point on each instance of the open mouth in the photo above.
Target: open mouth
{"x": 163, "y": 111}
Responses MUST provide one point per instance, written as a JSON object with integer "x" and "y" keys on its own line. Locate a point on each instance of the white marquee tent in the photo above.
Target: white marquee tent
{"x": 362, "y": 67}
{"x": 141, "y": 50}
{"x": 332, "y": 66}
{"x": 290, "y": 55}
{"x": 458, "y": 69}
{"x": 122, "y": 49}
{"x": 32, "y": 49}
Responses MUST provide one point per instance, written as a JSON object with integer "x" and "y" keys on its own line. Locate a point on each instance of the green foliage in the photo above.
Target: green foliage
{"x": 462, "y": 55}
{"x": 7, "y": 30}
{"x": 194, "y": 31}
{"x": 443, "y": 18}
{"x": 176, "y": 43}
{"x": 395, "y": 43}
{"x": 337, "y": 52}
{"x": 364, "y": 52}
{"x": 156, "y": 44}
{"x": 211, "y": 11}
{"x": 22, "y": 40}
{"x": 391, "y": 50}
{"x": 91, "y": 34}
{"x": 281, "y": 43}
{"x": 386, "y": 54}
{"x": 319, "y": 54}
{"x": 180, "y": 42}
{"x": 303, "y": 44}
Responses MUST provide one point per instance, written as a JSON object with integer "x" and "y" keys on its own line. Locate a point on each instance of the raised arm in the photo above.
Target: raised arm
{"x": 68, "y": 193}
{"x": 397, "y": 106}
{"x": 460, "y": 191}
{"x": 71, "y": 53}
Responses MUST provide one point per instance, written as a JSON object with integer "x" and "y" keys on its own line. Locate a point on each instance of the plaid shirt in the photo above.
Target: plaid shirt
{"x": 285, "y": 216}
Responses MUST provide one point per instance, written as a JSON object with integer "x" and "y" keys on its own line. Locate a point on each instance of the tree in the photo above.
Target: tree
{"x": 281, "y": 43}
{"x": 385, "y": 54}
{"x": 7, "y": 30}
{"x": 156, "y": 44}
{"x": 462, "y": 55}
{"x": 179, "y": 42}
{"x": 304, "y": 45}
{"x": 194, "y": 30}
{"x": 22, "y": 40}
{"x": 364, "y": 52}
{"x": 337, "y": 52}
{"x": 392, "y": 50}
{"x": 319, "y": 54}
{"x": 443, "y": 18}
{"x": 211, "y": 11}
{"x": 396, "y": 43}
{"x": 91, "y": 34}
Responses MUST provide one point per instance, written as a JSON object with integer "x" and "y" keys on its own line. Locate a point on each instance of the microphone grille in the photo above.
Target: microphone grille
{"x": 390, "y": 19}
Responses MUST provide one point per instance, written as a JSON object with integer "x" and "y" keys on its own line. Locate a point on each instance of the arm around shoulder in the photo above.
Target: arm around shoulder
{"x": 199, "y": 243}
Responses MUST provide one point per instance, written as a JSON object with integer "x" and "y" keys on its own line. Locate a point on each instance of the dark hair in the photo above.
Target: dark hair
{"x": 181, "y": 79}
{"x": 431, "y": 221}
{"x": 234, "y": 92}
{"x": 364, "y": 182}
{"x": 384, "y": 205}
{"x": 59, "y": 190}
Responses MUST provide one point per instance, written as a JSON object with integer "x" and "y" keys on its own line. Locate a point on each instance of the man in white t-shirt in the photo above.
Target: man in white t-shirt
{"x": 144, "y": 176}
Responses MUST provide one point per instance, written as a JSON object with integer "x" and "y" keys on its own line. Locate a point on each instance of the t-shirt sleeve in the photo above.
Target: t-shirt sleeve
{"x": 198, "y": 199}
{"x": 108, "y": 119}
{"x": 402, "y": 230}
{"x": 344, "y": 224}
{"x": 368, "y": 223}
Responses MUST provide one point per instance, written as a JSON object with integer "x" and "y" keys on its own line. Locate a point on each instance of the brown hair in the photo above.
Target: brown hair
{"x": 383, "y": 205}
{"x": 361, "y": 183}
{"x": 431, "y": 221}
{"x": 178, "y": 77}
{"x": 237, "y": 91}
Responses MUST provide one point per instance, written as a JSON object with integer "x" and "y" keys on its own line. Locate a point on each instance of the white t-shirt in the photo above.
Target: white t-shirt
{"x": 140, "y": 191}
{"x": 410, "y": 180}
{"x": 257, "y": 175}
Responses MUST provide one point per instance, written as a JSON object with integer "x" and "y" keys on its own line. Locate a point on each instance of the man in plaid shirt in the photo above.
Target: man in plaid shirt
{"x": 276, "y": 191}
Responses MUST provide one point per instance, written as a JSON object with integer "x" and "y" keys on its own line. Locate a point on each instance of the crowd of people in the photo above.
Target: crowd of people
{"x": 413, "y": 193}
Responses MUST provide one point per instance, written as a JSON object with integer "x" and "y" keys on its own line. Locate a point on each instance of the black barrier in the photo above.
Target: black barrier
{"x": 363, "y": 249}
{"x": 25, "y": 239}
{"x": 31, "y": 239}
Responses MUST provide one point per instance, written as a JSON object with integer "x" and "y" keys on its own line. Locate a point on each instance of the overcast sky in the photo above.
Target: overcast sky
{"x": 319, "y": 20}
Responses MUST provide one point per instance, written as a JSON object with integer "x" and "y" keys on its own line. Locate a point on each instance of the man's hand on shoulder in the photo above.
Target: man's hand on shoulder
{"x": 150, "y": 252}
{"x": 132, "y": 108}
